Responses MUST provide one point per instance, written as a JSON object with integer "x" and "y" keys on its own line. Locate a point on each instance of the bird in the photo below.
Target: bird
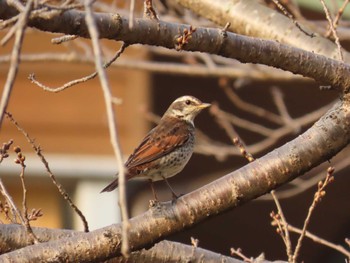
{"x": 167, "y": 148}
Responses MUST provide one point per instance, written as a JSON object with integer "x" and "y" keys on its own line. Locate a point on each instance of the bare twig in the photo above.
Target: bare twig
{"x": 4, "y": 150}
{"x": 111, "y": 123}
{"x": 9, "y": 22}
{"x": 337, "y": 17}
{"x": 20, "y": 160}
{"x": 334, "y": 32}
{"x": 286, "y": 13}
{"x": 243, "y": 149}
{"x": 131, "y": 14}
{"x": 248, "y": 107}
{"x": 149, "y": 10}
{"x": 14, "y": 210}
{"x": 184, "y": 39}
{"x": 237, "y": 121}
{"x": 62, "y": 39}
{"x": 52, "y": 176}
{"x": 77, "y": 81}
{"x": 300, "y": 185}
{"x": 17, "y": 4}
{"x": 282, "y": 109}
{"x": 261, "y": 74}
{"x": 238, "y": 252}
{"x": 320, "y": 240}
{"x": 317, "y": 198}
{"x": 225, "y": 124}
{"x": 284, "y": 232}
{"x": 12, "y": 73}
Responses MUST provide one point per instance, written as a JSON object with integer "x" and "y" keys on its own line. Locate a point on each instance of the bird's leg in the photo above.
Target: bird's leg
{"x": 153, "y": 191}
{"x": 175, "y": 196}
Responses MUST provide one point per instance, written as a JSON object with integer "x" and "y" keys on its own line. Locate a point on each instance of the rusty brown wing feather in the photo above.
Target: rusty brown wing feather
{"x": 168, "y": 135}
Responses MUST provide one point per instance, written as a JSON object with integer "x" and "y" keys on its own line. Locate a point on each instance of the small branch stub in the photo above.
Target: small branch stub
{"x": 182, "y": 40}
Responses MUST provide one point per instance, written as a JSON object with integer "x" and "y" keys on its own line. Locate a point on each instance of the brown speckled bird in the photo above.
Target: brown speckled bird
{"x": 167, "y": 148}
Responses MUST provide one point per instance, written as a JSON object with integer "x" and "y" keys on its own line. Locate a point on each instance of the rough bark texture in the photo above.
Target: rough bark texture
{"x": 14, "y": 237}
{"x": 320, "y": 143}
{"x": 247, "y": 17}
{"x": 212, "y": 41}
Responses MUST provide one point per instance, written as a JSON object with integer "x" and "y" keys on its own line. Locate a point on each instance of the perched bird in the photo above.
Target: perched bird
{"x": 167, "y": 148}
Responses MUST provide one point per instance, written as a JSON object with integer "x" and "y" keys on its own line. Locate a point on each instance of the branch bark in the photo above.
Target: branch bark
{"x": 14, "y": 237}
{"x": 212, "y": 41}
{"x": 321, "y": 142}
{"x": 247, "y": 17}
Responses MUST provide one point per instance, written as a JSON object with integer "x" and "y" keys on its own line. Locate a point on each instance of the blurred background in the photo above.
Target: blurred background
{"x": 71, "y": 128}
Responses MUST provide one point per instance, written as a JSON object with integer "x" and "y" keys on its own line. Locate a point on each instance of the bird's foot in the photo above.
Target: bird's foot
{"x": 175, "y": 197}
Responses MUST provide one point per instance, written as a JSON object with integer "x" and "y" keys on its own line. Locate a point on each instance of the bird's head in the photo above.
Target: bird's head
{"x": 186, "y": 108}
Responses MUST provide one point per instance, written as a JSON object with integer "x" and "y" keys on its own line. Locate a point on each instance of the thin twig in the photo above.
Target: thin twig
{"x": 20, "y": 160}
{"x": 239, "y": 122}
{"x": 248, "y": 107}
{"x": 238, "y": 252}
{"x": 334, "y": 32}
{"x": 77, "y": 81}
{"x": 340, "y": 13}
{"x": 320, "y": 240}
{"x": 62, "y": 39}
{"x": 149, "y": 10}
{"x": 4, "y": 150}
{"x": 111, "y": 123}
{"x": 286, "y": 236}
{"x": 14, "y": 210}
{"x": 131, "y": 14}
{"x": 230, "y": 131}
{"x": 317, "y": 198}
{"x": 9, "y": 22}
{"x": 12, "y": 73}
{"x": 263, "y": 74}
{"x": 282, "y": 109}
{"x": 286, "y": 13}
{"x": 52, "y": 176}
{"x": 16, "y": 4}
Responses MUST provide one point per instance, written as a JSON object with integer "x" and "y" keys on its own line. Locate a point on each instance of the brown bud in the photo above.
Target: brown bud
{"x": 17, "y": 149}
{"x": 330, "y": 170}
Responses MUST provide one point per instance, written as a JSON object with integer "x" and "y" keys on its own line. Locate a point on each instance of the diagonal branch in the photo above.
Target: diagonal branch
{"x": 160, "y": 33}
{"x": 13, "y": 237}
{"x": 321, "y": 142}
{"x": 16, "y": 51}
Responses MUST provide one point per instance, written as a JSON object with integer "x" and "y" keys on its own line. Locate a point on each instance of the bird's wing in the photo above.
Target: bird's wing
{"x": 160, "y": 141}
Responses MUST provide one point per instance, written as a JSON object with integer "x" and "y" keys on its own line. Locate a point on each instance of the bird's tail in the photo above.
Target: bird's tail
{"x": 113, "y": 185}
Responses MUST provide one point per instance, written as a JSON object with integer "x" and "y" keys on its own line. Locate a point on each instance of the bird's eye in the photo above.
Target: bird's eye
{"x": 188, "y": 102}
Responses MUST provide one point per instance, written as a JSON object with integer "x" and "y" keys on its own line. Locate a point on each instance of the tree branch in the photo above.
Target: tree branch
{"x": 212, "y": 41}
{"x": 14, "y": 237}
{"x": 320, "y": 143}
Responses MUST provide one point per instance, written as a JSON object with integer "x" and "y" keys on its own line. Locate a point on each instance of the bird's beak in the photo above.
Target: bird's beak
{"x": 204, "y": 105}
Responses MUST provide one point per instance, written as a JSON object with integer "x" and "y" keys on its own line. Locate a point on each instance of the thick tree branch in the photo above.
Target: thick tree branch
{"x": 321, "y": 142}
{"x": 248, "y": 16}
{"x": 212, "y": 41}
{"x": 14, "y": 237}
